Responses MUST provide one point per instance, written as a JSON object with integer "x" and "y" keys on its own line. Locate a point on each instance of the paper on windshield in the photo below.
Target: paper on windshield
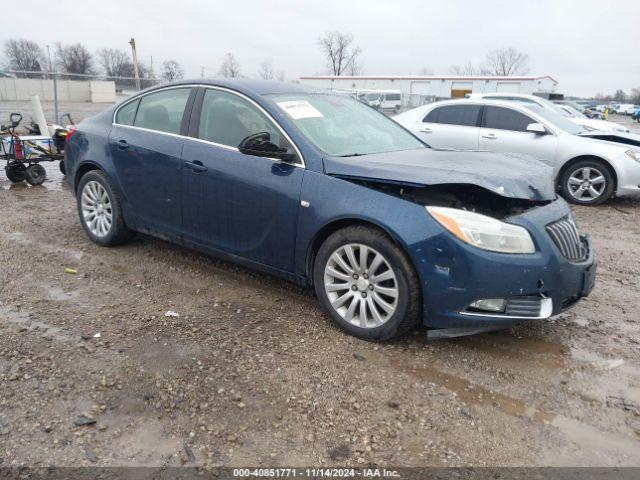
{"x": 298, "y": 109}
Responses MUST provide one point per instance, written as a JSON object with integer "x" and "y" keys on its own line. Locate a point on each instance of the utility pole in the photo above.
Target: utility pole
{"x": 136, "y": 74}
{"x": 55, "y": 86}
{"x": 202, "y": 72}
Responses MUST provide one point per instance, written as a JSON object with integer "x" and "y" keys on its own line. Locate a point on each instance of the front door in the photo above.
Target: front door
{"x": 241, "y": 204}
{"x": 505, "y": 130}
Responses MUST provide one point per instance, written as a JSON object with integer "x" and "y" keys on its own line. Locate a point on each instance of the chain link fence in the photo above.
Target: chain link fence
{"x": 58, "y": 90}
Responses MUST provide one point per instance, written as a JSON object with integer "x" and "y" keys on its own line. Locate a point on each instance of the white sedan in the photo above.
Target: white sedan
{"x": 588, "y": 170}
{"x": 565, "y": 110}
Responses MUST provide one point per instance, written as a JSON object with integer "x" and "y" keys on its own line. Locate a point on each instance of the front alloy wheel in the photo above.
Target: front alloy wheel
{"x": 587, "y": 182}
{"x": 361, "y": 285}
{"x": 366, "y": 284}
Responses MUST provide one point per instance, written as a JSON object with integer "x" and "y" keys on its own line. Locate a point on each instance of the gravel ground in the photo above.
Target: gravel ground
{"x": 251, "y": 372}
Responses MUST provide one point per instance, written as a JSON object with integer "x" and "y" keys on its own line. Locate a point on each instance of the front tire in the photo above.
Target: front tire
{"x": 100, "y": 210}
{"x": 366, "y": 284}
{"x": 587, "y": 182}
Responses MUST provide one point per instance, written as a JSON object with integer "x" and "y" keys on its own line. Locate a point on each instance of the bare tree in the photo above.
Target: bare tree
{"x": 24, "y": 55}
{"x": 229, "y": 67}
{"x": 341, "y": 53}
{"x": 466, "y": 69}
{"x": 171, "y": 70}
{"x": 281, "y": 76}
{"x": 425, "y": 71}
{"x": 266, "y": 71}
{"x": 114, "y": 62}
{"x": 635, "y": 96}
{"x": 506, "y": 62}
{"x": 74, "y": 59}
{"x": 619, "y": 96}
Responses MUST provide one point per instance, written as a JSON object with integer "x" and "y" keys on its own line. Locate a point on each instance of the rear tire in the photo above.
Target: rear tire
{"x": 100, "y": 210}
{"x": 16, "y": 171}
{"x": 375, "y": 296}
{"x": 35, "y": 174}
{"x": 587, "y": 182}
{"x": 62, "y": 167}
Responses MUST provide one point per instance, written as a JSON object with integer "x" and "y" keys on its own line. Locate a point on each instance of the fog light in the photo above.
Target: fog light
{"x": 490, "y": 305}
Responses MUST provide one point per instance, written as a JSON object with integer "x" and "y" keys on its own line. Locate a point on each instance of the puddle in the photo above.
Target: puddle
{"x": 7, "y": 315}
{"x": 601, "y": 445}
{"x": 56, "y": 293}
{"x": 54, "y": 181}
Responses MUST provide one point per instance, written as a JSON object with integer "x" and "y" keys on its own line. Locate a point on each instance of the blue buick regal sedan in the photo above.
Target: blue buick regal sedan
{"x": 327, "y": 192}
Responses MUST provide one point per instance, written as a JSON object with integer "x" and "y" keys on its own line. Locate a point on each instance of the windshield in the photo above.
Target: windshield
{"x": 557, "y": 119}
{"x": 343, "y": 127}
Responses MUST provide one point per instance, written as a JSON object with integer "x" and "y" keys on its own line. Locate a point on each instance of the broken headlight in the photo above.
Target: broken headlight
{"x": 484, "y": 232}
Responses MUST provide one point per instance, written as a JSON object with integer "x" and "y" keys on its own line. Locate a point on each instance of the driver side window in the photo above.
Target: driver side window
{"x": 227, "y": 119}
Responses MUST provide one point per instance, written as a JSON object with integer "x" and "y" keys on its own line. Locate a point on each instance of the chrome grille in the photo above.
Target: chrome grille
{"x": 564, "y": 234}
{"x": 523, "y": 306}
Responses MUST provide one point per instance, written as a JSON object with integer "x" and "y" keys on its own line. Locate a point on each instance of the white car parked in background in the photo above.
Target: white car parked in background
{"x": 587, "y": 171}
{"x": 575, "y": 116}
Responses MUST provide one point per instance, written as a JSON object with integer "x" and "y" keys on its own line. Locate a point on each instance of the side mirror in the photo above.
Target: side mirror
{"x": 537, "y": 128}
{"x": 260, "y": 145}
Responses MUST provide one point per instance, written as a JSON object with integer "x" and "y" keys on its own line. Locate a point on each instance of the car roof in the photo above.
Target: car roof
{"x": 246, "y": 85}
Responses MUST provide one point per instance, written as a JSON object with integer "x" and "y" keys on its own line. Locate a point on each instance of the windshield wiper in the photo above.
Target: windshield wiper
{"x": 352, "y": 155}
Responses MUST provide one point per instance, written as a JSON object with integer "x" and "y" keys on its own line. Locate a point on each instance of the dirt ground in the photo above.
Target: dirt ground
{"x": 251, "y": 372}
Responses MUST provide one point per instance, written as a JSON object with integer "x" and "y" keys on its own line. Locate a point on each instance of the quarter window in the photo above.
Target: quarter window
{"x": 465, "y": 115}
{"x": 127, "y": 113}
{"x": 501, "y": 118}
{"x": 162, "y": 111}
{"x": 227, "y": 119}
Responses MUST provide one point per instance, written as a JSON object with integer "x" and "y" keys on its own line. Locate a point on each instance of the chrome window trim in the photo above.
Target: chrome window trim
{"x": 301, "y": 164}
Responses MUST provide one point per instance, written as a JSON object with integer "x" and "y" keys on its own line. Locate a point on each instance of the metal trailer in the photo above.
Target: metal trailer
{"x": 23, "y": 154}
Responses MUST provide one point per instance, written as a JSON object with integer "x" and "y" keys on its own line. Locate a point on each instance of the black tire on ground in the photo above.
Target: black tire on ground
{"x": 16, "y": 171}
{"x": 119, "y": 233}
{"x": 35, "y": 174}
{"x": 409, "y": 305}
{"x": 595, "y": 165}
{"x": 62, "y": 167}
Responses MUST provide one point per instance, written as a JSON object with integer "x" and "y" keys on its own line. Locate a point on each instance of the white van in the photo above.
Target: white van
{"x": 385, "y": 100}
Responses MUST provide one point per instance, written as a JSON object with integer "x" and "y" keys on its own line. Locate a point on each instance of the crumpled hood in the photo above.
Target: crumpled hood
{"x": 620, "y": 138}
{"x": 508, "y": 175}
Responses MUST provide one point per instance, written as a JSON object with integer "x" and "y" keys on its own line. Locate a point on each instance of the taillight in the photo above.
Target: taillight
{"x": 70, "y": 131}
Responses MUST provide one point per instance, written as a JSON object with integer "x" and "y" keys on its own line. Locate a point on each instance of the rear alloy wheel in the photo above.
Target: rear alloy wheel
{"x": 35, "y": 174}
{"x": 100, "y": 211}
{"x": 587, "y": 182}
{"x": 366, "y": 284}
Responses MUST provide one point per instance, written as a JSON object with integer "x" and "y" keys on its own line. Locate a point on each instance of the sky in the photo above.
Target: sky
{"x": 589, "y": 46}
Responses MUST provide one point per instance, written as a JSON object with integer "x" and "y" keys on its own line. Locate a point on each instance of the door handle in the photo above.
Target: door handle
{"x": 490, "y": 136}
{"x": 122, "y": 144}
{"x": 426, "y": 130}
{"x": 196, "y": 166}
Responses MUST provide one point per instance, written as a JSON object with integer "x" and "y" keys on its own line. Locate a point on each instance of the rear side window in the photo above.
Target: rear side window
{"x": 502, "y": 118}
{"x": 127, "y": 113}
{"x": 432, "y": 116}
{"x": 162, "y": 111}
{"x": 465, "y": 115}
{"x": 227, "y": 119}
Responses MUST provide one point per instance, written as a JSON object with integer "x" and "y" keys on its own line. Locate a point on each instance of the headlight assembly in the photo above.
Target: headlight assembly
{"x": 634, "y": 154}
{"x": 484, "y": 232}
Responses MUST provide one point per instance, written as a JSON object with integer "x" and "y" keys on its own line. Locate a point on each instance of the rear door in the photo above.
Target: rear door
{"x": 240, "y": 204}
{"x": 451, "y": 127}
{"x": 146, "y": 146}
{"x": 505, "y": 130}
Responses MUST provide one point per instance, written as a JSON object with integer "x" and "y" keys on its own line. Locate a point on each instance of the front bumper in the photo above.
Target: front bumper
{"x": 628, "y": 173}
{"x": 459, "y": 274}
